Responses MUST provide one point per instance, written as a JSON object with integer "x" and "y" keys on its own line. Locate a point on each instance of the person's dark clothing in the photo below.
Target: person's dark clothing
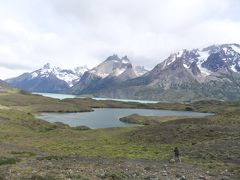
{"x": 176, "y": 151}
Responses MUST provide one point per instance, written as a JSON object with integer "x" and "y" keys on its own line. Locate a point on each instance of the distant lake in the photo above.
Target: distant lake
{"x": 55, "y": 96}
{"x": 65, "y": 96}
{"x": 109, "y": 117}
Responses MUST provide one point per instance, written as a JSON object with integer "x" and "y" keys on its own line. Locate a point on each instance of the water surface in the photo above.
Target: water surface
{"x": 55, "y": 96}
{"x": 64, "y": 96}
{"x": 109, "y": 117}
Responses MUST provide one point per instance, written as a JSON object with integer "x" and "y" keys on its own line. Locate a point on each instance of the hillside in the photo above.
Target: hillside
{"x": 35, "y": 149}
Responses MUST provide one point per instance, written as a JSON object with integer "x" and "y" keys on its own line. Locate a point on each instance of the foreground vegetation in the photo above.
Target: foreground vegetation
{"x": 35, "y": 149}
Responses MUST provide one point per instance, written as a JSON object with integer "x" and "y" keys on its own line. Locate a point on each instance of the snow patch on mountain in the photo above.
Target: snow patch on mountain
{"x": 236, "y": 48}
{"x": 186, "y": 66}
{"x": 233, "y": 68}
{"x": 171, "y": 59}
{"x": 203, "y": 55}
{"x": 69, "y": 78}
{"x": 118, "y": 71}
{"x": 204, "y": 71}
{"x": 34, "y": 75}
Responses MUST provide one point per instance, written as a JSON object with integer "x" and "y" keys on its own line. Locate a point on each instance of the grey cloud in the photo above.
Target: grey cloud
{"x": 72, "y": 33}
{"x": 14, "y": 66}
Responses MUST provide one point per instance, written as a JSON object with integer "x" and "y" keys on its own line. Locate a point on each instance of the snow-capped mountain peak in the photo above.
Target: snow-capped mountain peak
{"x": 67, "y": 75}
{"x": 112, "y": 66}
{"x": 226, "y": 56}
{"x": 46, "y": 71}
{"x": 208, "y": 60}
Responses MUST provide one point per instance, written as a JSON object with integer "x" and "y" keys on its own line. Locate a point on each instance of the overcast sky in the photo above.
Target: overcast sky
{"x": 71, "y": 33}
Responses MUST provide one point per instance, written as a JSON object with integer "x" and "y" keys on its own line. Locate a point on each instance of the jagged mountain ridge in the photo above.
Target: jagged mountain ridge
{"x": 57, "y": 80}
{"x": 107, "y": 74}
{"x": 209, "y": 73}
{"x": 48, "y": 79}
{"x": 114, "y": 66}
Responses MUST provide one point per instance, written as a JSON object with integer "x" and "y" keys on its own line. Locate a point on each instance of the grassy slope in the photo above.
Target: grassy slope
{"x": 210, "y": 142}
{"x": 151, "y": 120}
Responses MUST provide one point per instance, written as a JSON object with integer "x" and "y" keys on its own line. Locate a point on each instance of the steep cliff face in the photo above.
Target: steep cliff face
{"x": 108, "y": 74}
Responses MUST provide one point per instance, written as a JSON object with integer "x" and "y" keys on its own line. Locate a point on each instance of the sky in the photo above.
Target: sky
{"x": 70, "y": 33}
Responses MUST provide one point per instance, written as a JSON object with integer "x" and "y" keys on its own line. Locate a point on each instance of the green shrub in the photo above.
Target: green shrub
{"x": 5, "y": 160}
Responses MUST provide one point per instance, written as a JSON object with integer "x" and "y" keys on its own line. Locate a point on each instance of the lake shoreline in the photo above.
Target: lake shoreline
{"x": 94, "y": 104}
{"x": 37, "y": 143}
{"x": 111, "y": 117}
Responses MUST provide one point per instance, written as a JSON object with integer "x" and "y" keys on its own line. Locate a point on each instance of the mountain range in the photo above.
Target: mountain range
{"x": 53, "y": 79}
{"x": 209, "y": 73}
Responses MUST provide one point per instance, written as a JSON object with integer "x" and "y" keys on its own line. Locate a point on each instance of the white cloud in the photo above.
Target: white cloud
{"x": 72, "y": 33}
